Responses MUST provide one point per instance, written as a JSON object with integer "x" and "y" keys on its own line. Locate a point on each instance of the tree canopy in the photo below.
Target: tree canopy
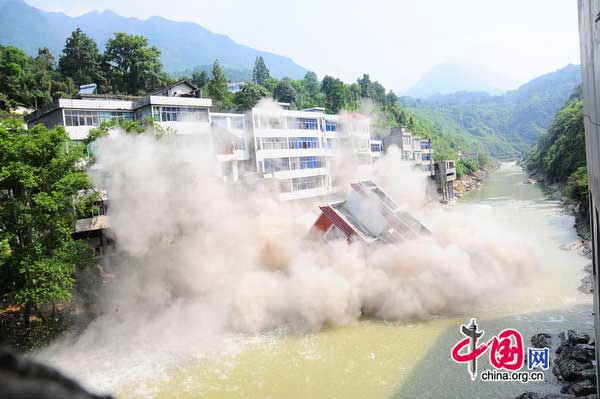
{"x": 260, "y": 73}
{"x": 81, "y": 60}
{"x": 40, "y": 179}
{"x": 217, "y": 88}
{"x": 133, "y": 66}
{"x": 285, "y": 92}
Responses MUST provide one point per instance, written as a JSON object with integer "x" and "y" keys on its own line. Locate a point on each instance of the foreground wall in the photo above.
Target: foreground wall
{"x": 589, "y": 37}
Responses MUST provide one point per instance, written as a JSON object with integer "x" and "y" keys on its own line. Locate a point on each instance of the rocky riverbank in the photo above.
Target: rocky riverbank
{"x": 574, "y": 365}
{"x": 581, "y": 225}
{"x": 470, "y": 182}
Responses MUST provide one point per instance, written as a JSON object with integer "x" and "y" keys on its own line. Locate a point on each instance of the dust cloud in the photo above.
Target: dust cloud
{"x": 200, "y": 262}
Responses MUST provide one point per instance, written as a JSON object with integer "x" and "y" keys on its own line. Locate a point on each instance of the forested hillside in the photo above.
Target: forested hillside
{"x": 560, "y": 153}
{"x": 506, "y": 125}
{"x": 184, "y": 45}
{"x": 128, "y": 64}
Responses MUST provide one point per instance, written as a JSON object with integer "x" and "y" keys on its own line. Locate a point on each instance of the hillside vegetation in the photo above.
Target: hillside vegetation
{"x": 506, "y": 125}
{"x": 184, "y": 45}
{"x": 560, "y": 153}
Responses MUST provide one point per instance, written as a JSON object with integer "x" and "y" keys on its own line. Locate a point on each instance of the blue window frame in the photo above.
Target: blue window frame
{"x": 303, "y": 124}
{"x": 425, "y": 145}
{"x": 296, "y": 143}
{"x": 425, "y": 157}
{"x": 330, "y": 126}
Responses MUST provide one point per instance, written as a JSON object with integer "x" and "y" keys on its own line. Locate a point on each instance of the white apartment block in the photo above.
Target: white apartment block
{"x": 413, "y": 148}
{"x": 293, "y": 150}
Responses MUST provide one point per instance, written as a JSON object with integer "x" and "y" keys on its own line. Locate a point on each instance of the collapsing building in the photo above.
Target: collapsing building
{"x": 368, "y": 215}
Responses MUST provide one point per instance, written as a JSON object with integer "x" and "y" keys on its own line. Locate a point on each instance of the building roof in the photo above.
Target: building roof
{"x": 369, "y": 215}
{"x": 183, "y": 81}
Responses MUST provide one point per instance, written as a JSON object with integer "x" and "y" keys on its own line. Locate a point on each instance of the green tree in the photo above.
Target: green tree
{"x": 81, "y": 60}
{"x": 285, "y": 92}
{"x": 576, "y": 187}
{"x": 260, "y": 73}
{"x": 13, "y": 67}
{"x": 334, "y": 90}
{"x": 40, "y": 176}
{"x": 311, "y": 83}
{"x": 249, "y": 96}
{"x": 200, "y": 79}
{"x": 391, "y": 98}
{"x": 217, "y": 88}
{"x": 133, "y": 66}
{"x": 366, "y": 89}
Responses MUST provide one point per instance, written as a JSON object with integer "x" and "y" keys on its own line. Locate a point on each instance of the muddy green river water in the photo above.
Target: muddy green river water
{"x": 376, "y": 359}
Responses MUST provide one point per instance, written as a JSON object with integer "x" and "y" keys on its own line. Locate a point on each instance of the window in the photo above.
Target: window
{"x": 425, "y": 145}
{"x": 271, "y": 123}
{"x": 306, "y": 163}
{"x": 375, "y": 147}
{"x": 307, "y": 183}
{"x": 303, "y": 142}
{"x": 426, "y": 157}
{"x": 220, "y": 121}
{"x": 237, "y": 144}
{"x": 75, "y": 117}
{"x": 238, "y": 123}
{"x": 330, "y": 126}
{"x": 276, "y": 165}
{"x": 107, "y": 116}
{"x": 406, "y": 140}
{"x": 180, "y": 114}
{"x": 273, "y": 143}
{"x": 406, "y": 155}
{"x": 303, "y": 124}
{"x": 451, "y": 164}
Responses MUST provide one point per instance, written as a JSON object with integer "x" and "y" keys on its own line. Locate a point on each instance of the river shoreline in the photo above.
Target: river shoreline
{"x": 578, "y": 379}
{"x": 581, "y": 225}
{"x": 470, "y": 182}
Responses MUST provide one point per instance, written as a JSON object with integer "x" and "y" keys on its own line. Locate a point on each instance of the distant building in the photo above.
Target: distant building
{"x": 288, "y": 149}
{"x": 412, "y": 148}
{"x": 296, "y": 148}
{"x": 175, "y": 106}
{"x": 235, "y": 87}
{"x": 444, "y": 175}
{"x": 232, "y": 140}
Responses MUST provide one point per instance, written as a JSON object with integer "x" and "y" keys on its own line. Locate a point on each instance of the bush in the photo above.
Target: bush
{"x": 576, "y": 187}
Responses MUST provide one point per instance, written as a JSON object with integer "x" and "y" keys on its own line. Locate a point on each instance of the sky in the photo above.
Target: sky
{"x": 395, "y": 41}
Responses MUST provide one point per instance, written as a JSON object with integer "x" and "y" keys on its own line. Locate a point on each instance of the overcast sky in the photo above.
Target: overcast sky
{"x": 396, "y": 41}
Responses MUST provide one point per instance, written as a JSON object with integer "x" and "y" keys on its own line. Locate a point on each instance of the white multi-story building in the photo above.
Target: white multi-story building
{"x": 174, "y": 107}
{"x": 292, "y": 149}
{"x": 412, "y": 148}
{"x": 232, "y": 142}
{"x": 298, "y": 148}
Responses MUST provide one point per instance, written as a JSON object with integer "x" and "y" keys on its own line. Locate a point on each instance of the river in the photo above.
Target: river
{"x": 376, "y": 359}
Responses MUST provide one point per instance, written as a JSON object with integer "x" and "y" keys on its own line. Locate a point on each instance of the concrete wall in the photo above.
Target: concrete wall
{"x": 50, "y": 120}
{"x": 589, "y": 41}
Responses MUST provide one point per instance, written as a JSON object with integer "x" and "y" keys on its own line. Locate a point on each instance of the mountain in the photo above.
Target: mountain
{"x": 184, "y": 45}
{"x": 506, "y": 124}
{"x": 450, "y": 77}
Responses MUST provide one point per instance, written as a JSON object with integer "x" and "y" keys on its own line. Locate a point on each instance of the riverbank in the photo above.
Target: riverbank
{"x": 578, "y": 211}
{"x": 469, "y": 182}
{"x": 574, "y": 362}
